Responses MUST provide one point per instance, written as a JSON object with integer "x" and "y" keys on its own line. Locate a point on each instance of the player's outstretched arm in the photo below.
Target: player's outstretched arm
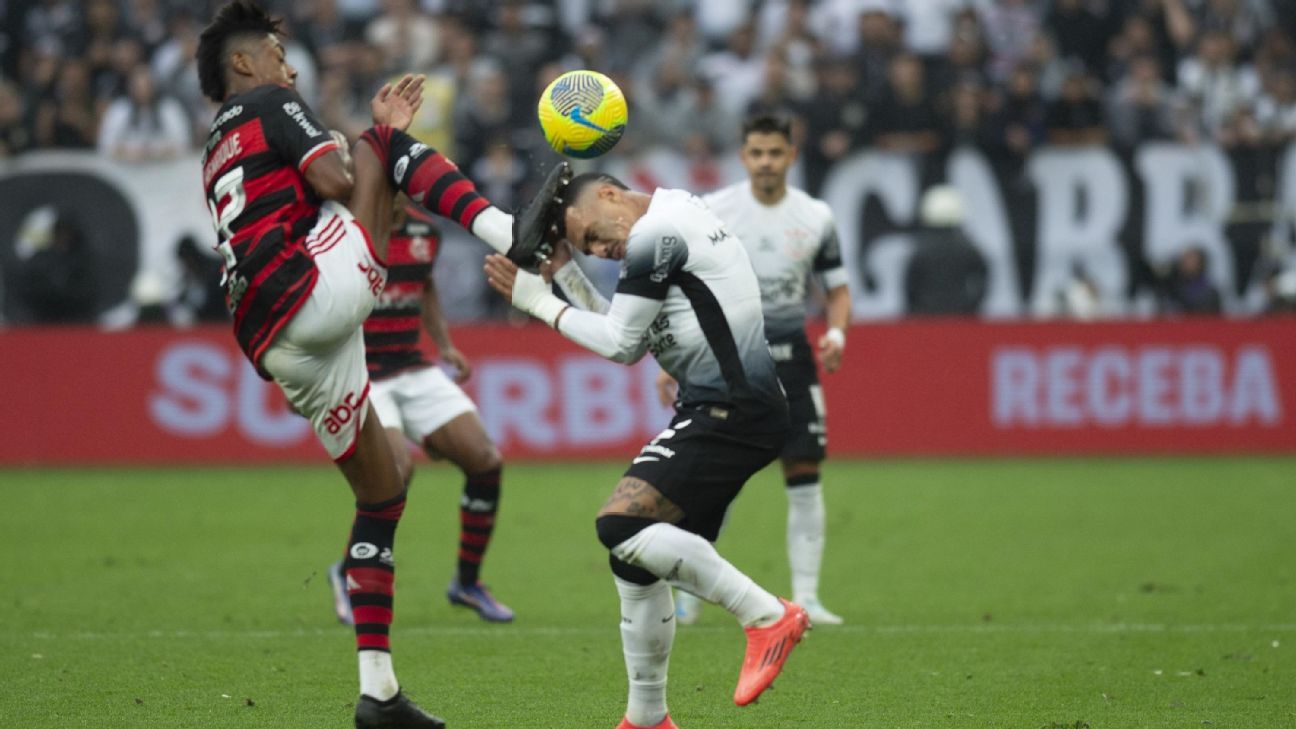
{"x": 619, "y": 335}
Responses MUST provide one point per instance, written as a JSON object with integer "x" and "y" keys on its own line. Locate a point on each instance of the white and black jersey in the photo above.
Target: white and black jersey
{"x": 787, "y": 242}
{"x": 688, "y": 295}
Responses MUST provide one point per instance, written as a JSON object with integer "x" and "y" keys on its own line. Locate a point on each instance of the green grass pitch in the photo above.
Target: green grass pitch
{"x": 993, "y": 593}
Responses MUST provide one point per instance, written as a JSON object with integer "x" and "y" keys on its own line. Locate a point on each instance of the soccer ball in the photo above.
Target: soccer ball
{"x": 583, "y": 114}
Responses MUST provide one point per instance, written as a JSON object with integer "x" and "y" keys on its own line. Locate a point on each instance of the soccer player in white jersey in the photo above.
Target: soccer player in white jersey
{"x": 688, "y": 295}
{"x": 789, "y": 237}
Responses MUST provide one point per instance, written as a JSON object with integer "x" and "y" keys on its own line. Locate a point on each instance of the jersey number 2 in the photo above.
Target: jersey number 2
{"x": 229, "y": 189}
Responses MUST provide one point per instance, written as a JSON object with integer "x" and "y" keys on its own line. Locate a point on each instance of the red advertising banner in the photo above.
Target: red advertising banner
{"x": 80, "y": 396}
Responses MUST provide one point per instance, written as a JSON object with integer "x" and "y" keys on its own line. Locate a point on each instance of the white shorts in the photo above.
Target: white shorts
{"x": 318, "y": 359}
{"x": 419, "y": 402}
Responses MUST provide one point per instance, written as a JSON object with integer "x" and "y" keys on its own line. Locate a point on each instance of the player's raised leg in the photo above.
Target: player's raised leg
{"x": 434, "y": 182}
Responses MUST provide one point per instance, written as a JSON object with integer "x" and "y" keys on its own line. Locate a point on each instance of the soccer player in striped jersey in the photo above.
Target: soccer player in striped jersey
{"x": 302, "y": 228}
{"x": 686, "y": 294}
{"x": 790, "y": 238}
{"x": 418, "y": 403}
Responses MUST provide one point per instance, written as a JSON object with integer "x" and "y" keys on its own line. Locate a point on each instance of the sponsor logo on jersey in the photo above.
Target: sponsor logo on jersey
{"x": 295, "y": 111}
{"x": 718, "y": 235}
{"x": 226, "y": 115}
{"x": 417, "y": 149}
{"x": 375, "y": 277}
{"x": 363, "y": 550}
{"x": 662, "y": 255}
{"x": 398, "y": 171}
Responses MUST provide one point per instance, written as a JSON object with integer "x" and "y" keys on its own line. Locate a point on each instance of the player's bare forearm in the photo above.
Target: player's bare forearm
{"x": 832, "y": 345}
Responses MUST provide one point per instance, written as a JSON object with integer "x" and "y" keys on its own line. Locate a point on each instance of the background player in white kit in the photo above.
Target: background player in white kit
{"x": 789, "y": 236}
{"x": 679, "y": 264}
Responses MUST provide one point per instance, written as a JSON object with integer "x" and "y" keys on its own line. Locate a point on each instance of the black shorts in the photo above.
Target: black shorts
{"x": 808, "y": 438}
{"x": 701, "y": 462}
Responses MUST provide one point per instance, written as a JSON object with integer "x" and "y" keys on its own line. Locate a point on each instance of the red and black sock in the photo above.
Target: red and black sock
{"x": 476, "y": 522}
{"x": 371, "y": 571}
{"x": 427, "y": 176}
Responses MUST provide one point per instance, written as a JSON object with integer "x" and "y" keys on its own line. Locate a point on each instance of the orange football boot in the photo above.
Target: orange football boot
{"x": 663, "y": 724}
{"x": 767, "y": 650}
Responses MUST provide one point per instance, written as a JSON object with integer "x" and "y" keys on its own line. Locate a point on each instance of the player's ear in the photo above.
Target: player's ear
{"x": 241, "y": 62}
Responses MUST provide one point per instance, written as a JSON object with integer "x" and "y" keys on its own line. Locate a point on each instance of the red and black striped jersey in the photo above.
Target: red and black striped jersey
{"x": 253, "y": 169}
{"x": 393, "y": 329}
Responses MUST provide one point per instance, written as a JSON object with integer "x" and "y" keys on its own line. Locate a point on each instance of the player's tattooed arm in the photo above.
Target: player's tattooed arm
{"x": 636, "y": 497}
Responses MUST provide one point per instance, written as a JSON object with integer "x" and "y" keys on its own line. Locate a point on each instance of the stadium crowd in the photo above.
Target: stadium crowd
{"x": 904, "y": 75}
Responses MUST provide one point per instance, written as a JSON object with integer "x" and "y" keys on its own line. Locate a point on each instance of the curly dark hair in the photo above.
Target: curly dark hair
{"x": 238, "y": 19}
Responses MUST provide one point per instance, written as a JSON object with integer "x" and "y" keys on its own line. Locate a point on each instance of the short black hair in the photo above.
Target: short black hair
{"x": 767, "y": 123}
{"x": 239, "y": 18}
{"x": 573, "y": 190}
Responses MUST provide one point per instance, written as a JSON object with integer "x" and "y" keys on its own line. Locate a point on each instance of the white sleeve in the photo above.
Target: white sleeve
{"x": 579, "y": 289}
{"x": 620, "y": 335}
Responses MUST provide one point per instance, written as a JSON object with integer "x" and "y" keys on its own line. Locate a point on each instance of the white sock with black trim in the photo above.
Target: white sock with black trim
{"x": 647, "y": 632}
{"x": 691, "y": 562}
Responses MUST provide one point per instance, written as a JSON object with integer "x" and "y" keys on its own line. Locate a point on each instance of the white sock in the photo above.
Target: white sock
{"x": 495, "y": 227}
{"x": 691, "y": 562}
{"x": 377, "y": 679}
{"x": 647, "y": 632}
{"x": 805, "y": 539}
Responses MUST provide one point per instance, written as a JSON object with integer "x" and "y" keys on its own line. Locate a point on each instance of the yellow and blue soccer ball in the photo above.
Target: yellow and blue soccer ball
{"x": 583, "y": 114}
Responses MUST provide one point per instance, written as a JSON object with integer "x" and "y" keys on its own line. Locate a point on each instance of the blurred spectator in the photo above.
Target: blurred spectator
{"x": 835, "y": 120}
{"x": 718, "y": 19}
{"x": 681, "y": 47}
{"x": 880, "y": 42}
{"x": 736, "y": 71}
{"x": 408, "y": 39}
{"x": 141, "y": 126}
{"x": 483, "y": 112}
{"x": 56, "y": 270}
{"x": 1139, "y": 106}
{"x": 15, "y": 137}
{"x": 1010, "y": 26}
{"x": 780, "y": 89}
{"x": 1213, "y": 81}
{"x": 1189, "y": 289}
{"x": 175, "y": 70}
{"x": 500, "y": 174}
{"x": 1080, "y": 33}
{"x": 1075, "y": 118}
{"x": 98, "y": 35}
{"x": 68, "y": 116}
{"x": 1020, "y": 115}
{"x": 521, "y": 49}
{"x": 51, "y": 26}
{"x": 1276, "y": 109}
{"x": 929, "y": 25}
{"x": 904, "y": 116}
{"x": 946, "y": 275}
{"x": 968, "y": 123}
{"x": 147, "y": 21}
{"x": 966, "y": 57}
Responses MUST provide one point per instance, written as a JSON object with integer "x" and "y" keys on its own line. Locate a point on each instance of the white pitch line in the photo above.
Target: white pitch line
{"x": 513, "y": 631}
